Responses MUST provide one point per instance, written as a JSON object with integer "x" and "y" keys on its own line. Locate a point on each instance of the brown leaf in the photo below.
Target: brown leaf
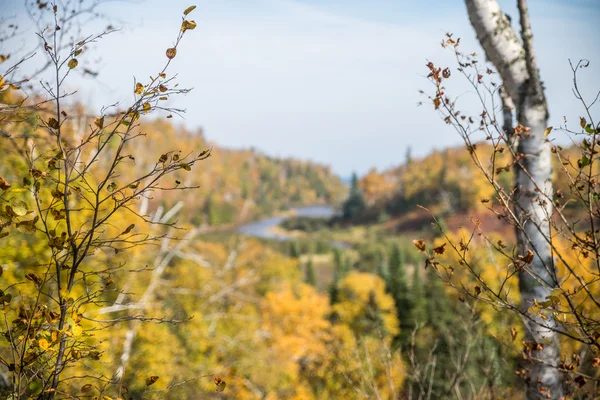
{"x": 171, "y": 53}
{"x": 4, "y": 185}
{"x": 440, "y": 249}
{"x": 220, "y": 384}
{"x": 151, "y": 380}
{"x": 99, "y": 122}
{"x": 582, "y": 122}
{"x": 129, "y": 228}
{"x": 53, "y": 123}
{"x": 528, "y": 259}
{"x": 419, "y": 244}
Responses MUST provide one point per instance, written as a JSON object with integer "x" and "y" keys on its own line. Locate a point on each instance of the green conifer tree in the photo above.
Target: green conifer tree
{"x": 355, "y": 205}
{"x": 309, "y": 273}
{"x": 397, "y": 286}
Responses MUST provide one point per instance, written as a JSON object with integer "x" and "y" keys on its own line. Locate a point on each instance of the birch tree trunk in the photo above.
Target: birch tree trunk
{"x": 515, "y": 61}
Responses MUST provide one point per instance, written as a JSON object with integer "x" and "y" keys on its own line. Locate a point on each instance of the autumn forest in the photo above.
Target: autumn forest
{"x": 140, "y": 258}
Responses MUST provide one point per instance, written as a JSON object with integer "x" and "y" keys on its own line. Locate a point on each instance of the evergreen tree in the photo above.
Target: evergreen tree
{"x": 437, "y": 307}
{"x": 309, "y": 273}
{"x": 372, "y": 322}
{"x": 355, "y": 204}
{"x": 339, "y": 271}
{"x": 398, "y": 288}
{"x": 295, "y": 250}
{"x": 382, "y": 268}
{"x": 418, "y": 311}
{"x": 408, "y": 156}
{"x": 338, "y": 266}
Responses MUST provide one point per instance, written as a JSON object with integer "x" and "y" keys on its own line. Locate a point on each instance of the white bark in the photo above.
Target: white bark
{"x": 515, "y": 63}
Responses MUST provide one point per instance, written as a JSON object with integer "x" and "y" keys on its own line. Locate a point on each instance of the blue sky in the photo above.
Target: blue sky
{"x": 334, "y": 81}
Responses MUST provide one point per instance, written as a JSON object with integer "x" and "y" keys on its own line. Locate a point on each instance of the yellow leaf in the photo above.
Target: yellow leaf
{"x": 44, "y": 344}
{"x": 189, "y": 10}
{"x": 547, "y": 131}
{"x": 162, "y": 75}
{"x": 185, "y": 25}
{"x": 99, "y": 122}
{"x": 146, "y": 107}
{"x": 77, "y": 330}
{"x": 73, "y": 63}
{"x": 139, "y": 88}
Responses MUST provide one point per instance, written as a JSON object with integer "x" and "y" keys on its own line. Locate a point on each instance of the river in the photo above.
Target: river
{"x": 264, "y": 228}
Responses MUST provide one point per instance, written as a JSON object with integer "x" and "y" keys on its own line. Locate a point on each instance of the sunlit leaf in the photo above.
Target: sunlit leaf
{"x": 188, "y": 25}
{"x": 547, "y": 131}
{"x": 19, "y": 207}
{"x": 584, "y": 162}
{"x": 189, "y": 10}
{"x": 139, "y": 88}
{"x": 111, "y": 186}
{"x": 77, "y": 330}
{"x": 43, "y": 343}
